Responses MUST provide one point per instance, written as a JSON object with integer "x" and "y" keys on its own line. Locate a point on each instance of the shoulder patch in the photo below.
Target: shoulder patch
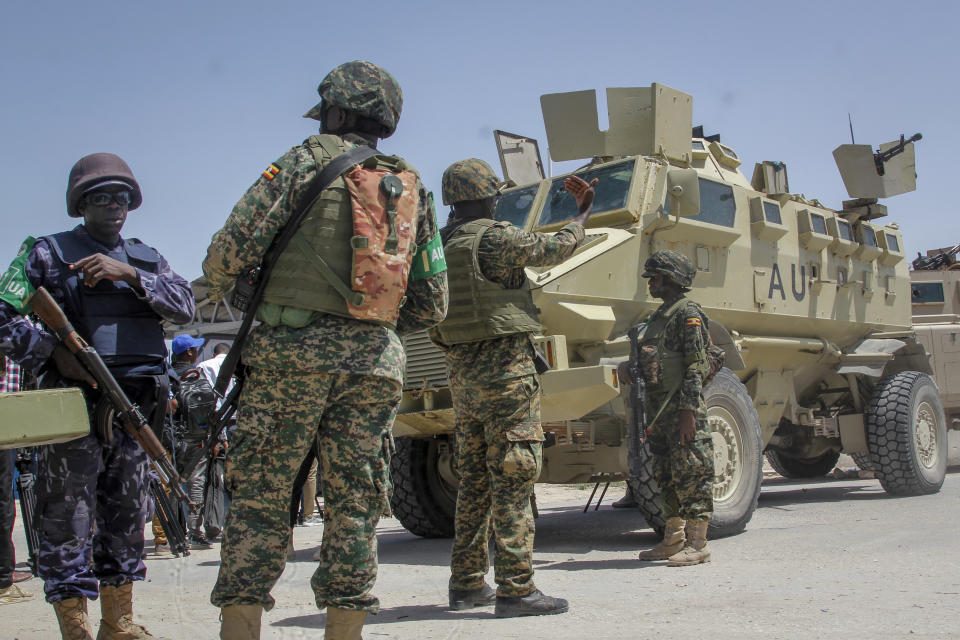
{"x": 693, "y": 322}
{"x": 271, "y": 172}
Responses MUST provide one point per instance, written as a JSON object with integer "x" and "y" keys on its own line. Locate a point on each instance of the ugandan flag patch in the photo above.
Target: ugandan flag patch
{"x": 271, "y": 172}
{"x": 693, "y": 322}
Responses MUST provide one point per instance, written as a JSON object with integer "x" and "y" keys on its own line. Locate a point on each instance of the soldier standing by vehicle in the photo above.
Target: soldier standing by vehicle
{"x": 673, "y": 362}
{"x": 487, "y": 337}
{"x": 92, "y": 492}
{"x": 326, "y": 360}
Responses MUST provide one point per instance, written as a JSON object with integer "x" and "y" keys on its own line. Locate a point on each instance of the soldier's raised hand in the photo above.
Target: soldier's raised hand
{"x": 583, "y": 193}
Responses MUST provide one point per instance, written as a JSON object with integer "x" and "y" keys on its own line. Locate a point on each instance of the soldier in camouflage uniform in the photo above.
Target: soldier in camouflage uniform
{"x": 487, "y": 338}
{"x": 313, "y": 368}
{"x": 673, "y": 362}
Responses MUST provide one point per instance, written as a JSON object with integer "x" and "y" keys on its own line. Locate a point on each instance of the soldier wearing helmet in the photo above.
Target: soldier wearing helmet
{"x": 673, "y": 362}
{"x": 326, "y": 360}
{"x": 487, "y": 339}
{"x": 93, "y": 491}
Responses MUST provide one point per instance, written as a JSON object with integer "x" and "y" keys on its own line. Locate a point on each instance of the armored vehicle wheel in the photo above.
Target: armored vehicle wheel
{"x": 907, "y": 435}
{"x": 644, "y": 488}
{"x": 863, "y": 461}
{"x": 735, "y": 427}
{"x": 424, "y": 486}
{"x": 803, "y": 467}
{"x": 738, "y": 466}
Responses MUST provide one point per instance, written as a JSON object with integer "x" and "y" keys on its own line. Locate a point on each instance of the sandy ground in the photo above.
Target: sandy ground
{"x": 831, "y": 558}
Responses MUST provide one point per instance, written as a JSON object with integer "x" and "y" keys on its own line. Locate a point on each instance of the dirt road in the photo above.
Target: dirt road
{"x": 833, "y": 558}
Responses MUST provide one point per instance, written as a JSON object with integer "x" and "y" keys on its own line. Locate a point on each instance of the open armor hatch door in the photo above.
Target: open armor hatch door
{"x": 519, "y": 157}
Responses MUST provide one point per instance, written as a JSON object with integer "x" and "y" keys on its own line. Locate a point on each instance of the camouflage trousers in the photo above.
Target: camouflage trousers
{"x": 92, "y": 504}
{"x": 683, "y": 472}
{"x": 499, "y": 456}
{"x": 280, "y": 414}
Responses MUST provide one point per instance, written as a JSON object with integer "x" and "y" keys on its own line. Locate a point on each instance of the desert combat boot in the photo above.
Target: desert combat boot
{"x": 673, "y": 541}
{"x": 695, "y": 551}
{"x": 73, "y": 620}
{"x": 344, "y": 624}
{"x": 116, "y": 609}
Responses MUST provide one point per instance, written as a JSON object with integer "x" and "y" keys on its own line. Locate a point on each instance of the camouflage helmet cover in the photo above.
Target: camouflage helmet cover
{"x": 96, "y": 170}
{"x": 364, "y": 88}
{"x": 672, "y": 265}
{"x": 471, "y": 179}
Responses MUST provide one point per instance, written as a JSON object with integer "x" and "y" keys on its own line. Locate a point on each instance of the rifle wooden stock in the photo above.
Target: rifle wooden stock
{"x": 43, "y": 304}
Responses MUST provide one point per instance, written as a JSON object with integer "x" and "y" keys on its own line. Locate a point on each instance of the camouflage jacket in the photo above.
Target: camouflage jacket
{"x": 687, "y": 333}
{"x": 329, "y": 343}
{"x": 502, "y": 254}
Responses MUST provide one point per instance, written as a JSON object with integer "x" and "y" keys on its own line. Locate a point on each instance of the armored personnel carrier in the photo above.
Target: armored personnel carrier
{"x": 810, "y": 304}
{"x": 935, "y": 291}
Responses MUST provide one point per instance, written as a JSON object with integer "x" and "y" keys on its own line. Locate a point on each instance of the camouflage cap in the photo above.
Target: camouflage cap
{"x": 365, "y": 88}
{"x": 471, "y": 179}
{"x": 671, "y": 264}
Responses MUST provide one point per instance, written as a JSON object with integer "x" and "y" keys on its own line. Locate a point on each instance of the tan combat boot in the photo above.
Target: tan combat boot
{"x": 240, "y": 622}
{"x": 344, "y": 624}
{"x": 673, "y": 539}
{"x": 73, "y": 619}
{"x": 116, "y": 609}
{"x": 695, "y": 551}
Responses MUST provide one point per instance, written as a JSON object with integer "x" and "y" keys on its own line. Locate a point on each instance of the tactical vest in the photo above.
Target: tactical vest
{"x": 110, "y": 316}
{"x": 663, "y": 370}
{"x": 479, "y": 308}
{"x": 355, "y": 232}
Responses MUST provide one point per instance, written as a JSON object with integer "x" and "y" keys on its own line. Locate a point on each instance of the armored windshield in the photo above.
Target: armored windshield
{"x": 514, "y": 206}
{"x": 611, "y": 193}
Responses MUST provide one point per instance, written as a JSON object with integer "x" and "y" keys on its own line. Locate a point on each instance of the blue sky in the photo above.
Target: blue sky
{"x": 200, "y": 97}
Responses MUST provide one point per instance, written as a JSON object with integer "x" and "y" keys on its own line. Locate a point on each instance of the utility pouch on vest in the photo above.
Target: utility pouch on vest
{"x": 649, "y": 357}
{"x": 384, "y": 206}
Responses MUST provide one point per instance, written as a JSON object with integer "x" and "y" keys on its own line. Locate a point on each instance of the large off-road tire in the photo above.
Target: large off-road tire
{"x": 424, "y": 494}
{"x": 863, "y": 461}
{"x": 738, "y": 468}
{"x": 907, "y": 434}
{"x": 803, "y": 467}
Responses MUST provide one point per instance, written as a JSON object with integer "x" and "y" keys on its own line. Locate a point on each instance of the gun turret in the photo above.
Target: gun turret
{"x": 880, "y": 158}
{"x": 936, "y": 260}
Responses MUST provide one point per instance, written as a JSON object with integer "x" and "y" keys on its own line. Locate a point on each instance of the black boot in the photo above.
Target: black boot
{"x": 467, "y": 599}
{"x": 534, "y": 604}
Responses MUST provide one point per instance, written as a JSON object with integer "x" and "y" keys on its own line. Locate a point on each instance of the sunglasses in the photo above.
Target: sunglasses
{"x": 104, "y": 198}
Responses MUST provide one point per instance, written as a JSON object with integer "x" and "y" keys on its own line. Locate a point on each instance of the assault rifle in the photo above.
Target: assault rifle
{"x": 129, "y": 414}
{"x": 936, "y": 261}
{"x": 639, "y": 388}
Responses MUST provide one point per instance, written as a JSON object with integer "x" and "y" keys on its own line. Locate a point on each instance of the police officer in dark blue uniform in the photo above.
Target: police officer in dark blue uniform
{"x": 92, "y": 492}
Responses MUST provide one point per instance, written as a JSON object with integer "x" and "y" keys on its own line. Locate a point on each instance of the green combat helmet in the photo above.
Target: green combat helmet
{"x": 365, "y": 89}
{"x": 672, "y": 265}
{"x": 471, "y": 179}
{"x": 98, "y": 170}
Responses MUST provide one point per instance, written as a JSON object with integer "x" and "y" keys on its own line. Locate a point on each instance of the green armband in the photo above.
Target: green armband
{"x": 15, "y": 287}
{"x": 429, "y": 260}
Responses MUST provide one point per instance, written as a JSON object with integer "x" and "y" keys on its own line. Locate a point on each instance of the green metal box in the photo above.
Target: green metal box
{"x": 42, "y": 417}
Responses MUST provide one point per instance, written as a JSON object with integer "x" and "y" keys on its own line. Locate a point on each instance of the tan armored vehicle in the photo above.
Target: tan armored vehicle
{"x": 936, "y": 320}
{"x": 811, "y": 304}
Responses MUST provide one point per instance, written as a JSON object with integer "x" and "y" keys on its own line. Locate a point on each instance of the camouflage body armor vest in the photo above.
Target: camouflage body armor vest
{"x": 479, "y": 308}
{"x": 351, "y": 256}
{"x": 662, "y": 369}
